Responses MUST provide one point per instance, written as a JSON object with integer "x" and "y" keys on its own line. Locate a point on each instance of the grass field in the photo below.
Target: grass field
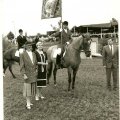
{"x": 89, "y": 101}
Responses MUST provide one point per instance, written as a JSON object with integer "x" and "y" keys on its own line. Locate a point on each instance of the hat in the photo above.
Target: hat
{"x": 28, "y": 43}
{"x": 65, "y": 23}
{"x": 109, "y": 38}
{"x": 41, "y": 43}
{"x": 20, "y": 30}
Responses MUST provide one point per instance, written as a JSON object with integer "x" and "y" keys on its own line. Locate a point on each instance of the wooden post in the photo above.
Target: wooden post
{"x": 114, "y": 30}
{"x": 87, "y": 29}
{"x": 101, "y": 32}
{"x": 74, "y": 30}
{"x": 61, "y": 19}
{"x": 115, "y": 34}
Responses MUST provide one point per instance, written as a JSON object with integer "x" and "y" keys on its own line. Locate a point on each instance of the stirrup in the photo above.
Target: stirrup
{"x": 58, "y": 66}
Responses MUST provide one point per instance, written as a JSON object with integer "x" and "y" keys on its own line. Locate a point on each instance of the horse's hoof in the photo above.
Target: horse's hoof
{"x": 55, "y": 85}
{"x": 3, "y": 75}
{"x": 68, "y": 89}
{"x": 14, "y": 77}
{"x": 72, "y": 91}
{"x": 73, "y": 88}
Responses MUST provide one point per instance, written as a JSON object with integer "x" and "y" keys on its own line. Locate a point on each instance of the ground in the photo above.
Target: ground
{"x": 89, "y": 101}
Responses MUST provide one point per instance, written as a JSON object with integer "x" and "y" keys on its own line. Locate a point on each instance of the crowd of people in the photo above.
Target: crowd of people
{"x": 33, "y": 62}
{"x": 32, "y": 67}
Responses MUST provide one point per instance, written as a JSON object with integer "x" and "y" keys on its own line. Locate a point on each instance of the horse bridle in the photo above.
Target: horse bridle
{"x": 78, "y": 50}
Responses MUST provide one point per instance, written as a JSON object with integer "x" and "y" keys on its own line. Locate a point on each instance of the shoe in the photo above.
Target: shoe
{"x": 36, "y": 98}
{"x": 61, "y": 66}
{"x": 28, "y": 107}
{"x": 109, "y": 88}
{"x": 31, "y": 104}
{"x": 42, "y": 97}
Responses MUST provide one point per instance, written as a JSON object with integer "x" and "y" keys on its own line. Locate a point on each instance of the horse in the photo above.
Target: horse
{"x": 9, "y": 57}
{"x": 72, "y": 59}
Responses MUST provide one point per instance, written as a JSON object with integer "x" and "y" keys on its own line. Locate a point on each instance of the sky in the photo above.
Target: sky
{"x": 26, "y": 14}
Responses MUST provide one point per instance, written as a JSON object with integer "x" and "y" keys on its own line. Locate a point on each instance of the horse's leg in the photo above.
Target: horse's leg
{"x": 4, "y": 69}
{"x": 10, "y": 69}
{"x": 49, "y": 71}
{"x": 69, "y": 77}
{"x": 5, "y": 66}
{"x": 48, "y": 76}
{"x": 54, "y": 74}
{"x": 74, "y": 76}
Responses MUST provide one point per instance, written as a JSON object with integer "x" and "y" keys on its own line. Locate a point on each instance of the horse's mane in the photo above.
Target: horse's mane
{"x": 77, "y": 42}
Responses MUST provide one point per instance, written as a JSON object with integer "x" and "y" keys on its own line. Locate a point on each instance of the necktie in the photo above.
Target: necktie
{"x": 111, "y": 49}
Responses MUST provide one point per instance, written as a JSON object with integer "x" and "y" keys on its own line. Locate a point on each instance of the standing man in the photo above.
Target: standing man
{"x": 65, "y": 39}
{"x": 21, "y": 40}
{"x": 110, "y": 62}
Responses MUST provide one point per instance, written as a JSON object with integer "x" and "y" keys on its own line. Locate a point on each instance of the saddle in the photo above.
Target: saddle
{"x": 60, "y": 57}
{"x": 18, "y": 52}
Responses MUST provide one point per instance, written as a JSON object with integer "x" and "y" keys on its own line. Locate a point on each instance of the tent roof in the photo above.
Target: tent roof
{"x": 102, "y": 25}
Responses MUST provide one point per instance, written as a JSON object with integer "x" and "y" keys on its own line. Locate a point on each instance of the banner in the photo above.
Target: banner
{"x": 51, "y": 9}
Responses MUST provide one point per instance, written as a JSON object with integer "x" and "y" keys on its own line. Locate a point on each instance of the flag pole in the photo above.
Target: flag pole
{"x": 61, "y": 26}
{"x": 61, "y": 20}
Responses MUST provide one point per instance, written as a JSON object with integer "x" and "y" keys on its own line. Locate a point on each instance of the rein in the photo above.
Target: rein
{"x": 76, "y": 49}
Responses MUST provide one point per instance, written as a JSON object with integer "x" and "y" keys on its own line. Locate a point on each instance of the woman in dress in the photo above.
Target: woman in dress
{"x": 28, "y": 68}
{"x": 42, "y": 62}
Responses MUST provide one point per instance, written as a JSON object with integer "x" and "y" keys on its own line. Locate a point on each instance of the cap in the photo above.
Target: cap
{"x": 20, "y": 30}
{"x": 65, "y": 23}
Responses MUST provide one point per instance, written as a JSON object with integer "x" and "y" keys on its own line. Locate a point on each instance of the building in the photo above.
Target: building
{"x": 99, "y": 32}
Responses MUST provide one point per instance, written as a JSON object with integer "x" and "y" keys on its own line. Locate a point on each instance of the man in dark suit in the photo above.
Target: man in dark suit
{"x": 65, "y": 39}
{"x": 110, "y": 62}
{"x": 21, "y": 39}
{"x": 64, "y": 34}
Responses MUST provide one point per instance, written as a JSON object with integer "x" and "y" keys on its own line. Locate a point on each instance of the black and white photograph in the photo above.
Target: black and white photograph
{"x": 59, "y": 59}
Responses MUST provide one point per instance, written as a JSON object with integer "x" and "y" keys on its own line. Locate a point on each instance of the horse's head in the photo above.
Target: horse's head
{"x": 86, "y": 44}
{"x": 29, "y": 39}
{"x": 82, "y": 43}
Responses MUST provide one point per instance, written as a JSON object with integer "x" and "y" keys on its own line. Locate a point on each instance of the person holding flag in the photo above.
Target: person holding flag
{"x": 65, "y": 39}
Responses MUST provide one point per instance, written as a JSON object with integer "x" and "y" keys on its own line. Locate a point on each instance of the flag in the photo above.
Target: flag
{"x": 51, "y": 9}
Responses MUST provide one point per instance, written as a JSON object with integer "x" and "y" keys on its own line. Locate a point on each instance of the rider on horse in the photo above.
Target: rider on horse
{"x": 65, "y": 39}
{"x": 21, "y": 40}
